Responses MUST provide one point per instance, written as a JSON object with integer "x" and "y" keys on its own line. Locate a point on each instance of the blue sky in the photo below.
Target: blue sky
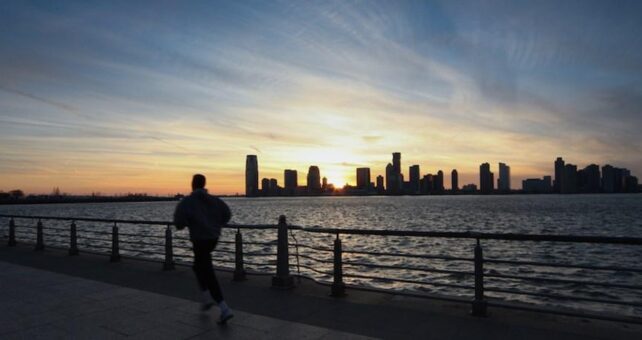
{"x": 137, "y": 96}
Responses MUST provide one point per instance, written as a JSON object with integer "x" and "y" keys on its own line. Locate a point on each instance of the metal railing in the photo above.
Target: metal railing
{"x": 110, "y": 243}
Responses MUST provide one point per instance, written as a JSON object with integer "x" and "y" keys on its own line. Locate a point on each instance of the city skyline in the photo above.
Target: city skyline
{"x": 567, "y": 178}
{"x": 118, "y": 97}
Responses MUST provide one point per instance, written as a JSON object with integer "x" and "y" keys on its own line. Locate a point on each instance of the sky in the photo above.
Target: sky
{"x": 136, "y": 96}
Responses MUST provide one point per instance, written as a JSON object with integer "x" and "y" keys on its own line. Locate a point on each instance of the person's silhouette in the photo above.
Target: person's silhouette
{"x": 204, "y": 215}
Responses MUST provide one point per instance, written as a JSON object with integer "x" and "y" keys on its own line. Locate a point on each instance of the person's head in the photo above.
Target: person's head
{"x": 198, "y": 182}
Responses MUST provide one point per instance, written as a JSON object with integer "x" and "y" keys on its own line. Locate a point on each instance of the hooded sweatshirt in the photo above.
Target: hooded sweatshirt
{"x": 203, "y": 214}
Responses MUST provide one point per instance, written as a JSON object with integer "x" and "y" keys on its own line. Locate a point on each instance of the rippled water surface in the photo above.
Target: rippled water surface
{"x": 607, "y": 215}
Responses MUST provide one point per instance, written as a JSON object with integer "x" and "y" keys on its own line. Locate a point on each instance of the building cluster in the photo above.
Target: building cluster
{"x": 315, "y": 185}
{"x": 568, "y": 179}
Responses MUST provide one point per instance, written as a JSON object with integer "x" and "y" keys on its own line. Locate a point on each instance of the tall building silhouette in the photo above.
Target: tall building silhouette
{"x": 265, "y": 187}
{"x": 485, "y": 179}
{"x": 608, "y": 178}
{"x": 569, "y": 179}
{"x": 251, "y": 176}
{"x": 503, "y": 182}
{"x": 363, "y": 178}
{"x": 559, "y": 172}
{"x": 439, "y": 182}
{"x": 291, "y": 181}
{"x": 380, "y": 187}
{"x": 314, "y": 179}
{"x": 454, "y": 180}
{"x": 590, "y": 179}
{"x": 395, "y": 179}
{"x": 396, "y": 162}
{"x": 389, "y": 178}
{"x": 414, "y": 174}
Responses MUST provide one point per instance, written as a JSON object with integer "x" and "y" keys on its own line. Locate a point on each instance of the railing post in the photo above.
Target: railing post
{"x": 239, "y": 270}
{"x": 115, "y": 253}
{"x": 73, "y": 242}
{"x": 338, "y": 287}
{"x": 479, "y": 304}
{"x": 40, "y": 243}
{"x": 12, "y": 233}
{"x": 169, "y": 250}
{"x": 282, "y": 279}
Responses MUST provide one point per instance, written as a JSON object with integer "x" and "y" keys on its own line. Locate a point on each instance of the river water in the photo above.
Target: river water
{"x": 605, "y": 215}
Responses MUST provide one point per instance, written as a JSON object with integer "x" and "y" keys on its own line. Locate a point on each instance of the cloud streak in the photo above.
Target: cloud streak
{"x": 199, "y": 85}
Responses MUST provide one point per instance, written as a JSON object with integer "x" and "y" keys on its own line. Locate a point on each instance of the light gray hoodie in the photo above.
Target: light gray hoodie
{"x": 203, "y": 214}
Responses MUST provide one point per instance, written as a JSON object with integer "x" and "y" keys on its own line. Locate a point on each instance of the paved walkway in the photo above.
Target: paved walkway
{"x": 38, "y": 304}
{"x": 51, "y": 295}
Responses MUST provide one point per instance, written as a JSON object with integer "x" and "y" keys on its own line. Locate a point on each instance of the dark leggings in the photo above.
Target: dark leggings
{"x": 204, "y": 269}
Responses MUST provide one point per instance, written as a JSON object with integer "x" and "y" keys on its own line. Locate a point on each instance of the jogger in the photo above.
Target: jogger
{"x": 204, "y": 215}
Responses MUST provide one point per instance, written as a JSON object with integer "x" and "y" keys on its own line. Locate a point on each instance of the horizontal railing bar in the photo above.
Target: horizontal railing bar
{"x": 80, "y": 230}
{"x": 476, "y": 235}
{"x": 142, "y": 243}
{"x": 259, "y": 254}
{"x": 311, "y": 258}
{"x": 423, "y": 269}
{"x": 31, "y": 232}
{"x": 564, "y": 265}
{"x": 564, "y": 297}
{"x": 271, "y": 243}
{"x": 258, "y": 264}
{"x": 452, "y": 285}
{"x": 54, "y": 228}
{"x": 385, "y": 232}
{"x": 310, "y": 247}
{"x": 148, "y": 222}
{"x": 25, "y": 226}
{"x": 312, "y": 269}
{"x": 421, "y": 256}
{"x": 94, "y": 238}
{"x": 579, "y": 282}
{"x": 224, "y": 251}
{"x": 142, "y": 251}
{"x": 81, "y": 246}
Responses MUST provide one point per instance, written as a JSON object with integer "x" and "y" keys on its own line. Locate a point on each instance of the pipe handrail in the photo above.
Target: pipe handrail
{"x": 383, "y": 232}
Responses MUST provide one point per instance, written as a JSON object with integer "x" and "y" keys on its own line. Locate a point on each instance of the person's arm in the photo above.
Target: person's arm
{"x": 180, "y": 216}
{"x": 224, "y": 210}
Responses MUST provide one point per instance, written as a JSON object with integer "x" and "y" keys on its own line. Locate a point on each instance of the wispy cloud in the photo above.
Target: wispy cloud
{"x": 122, "y": 91}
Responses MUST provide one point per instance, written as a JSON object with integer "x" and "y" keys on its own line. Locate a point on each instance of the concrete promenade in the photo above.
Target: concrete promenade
{"x": 50, "y": 295}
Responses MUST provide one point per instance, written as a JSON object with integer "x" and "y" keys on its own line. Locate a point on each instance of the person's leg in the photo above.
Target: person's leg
{"x": 209, "y": 274}
{"x": 215, "y": 288}
{"x": 201, "y": 258}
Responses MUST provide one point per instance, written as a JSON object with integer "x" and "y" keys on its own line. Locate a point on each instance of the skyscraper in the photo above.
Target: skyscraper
{"x": 503, "y": 183}
{"x": 439, "y": 182}
{"x": 380, "y": 187}
{"x": 454, "y": 180}
{"x": 314, "y": 179}
{"x": 559, "y": 172}
{"x": 251, "y": 176}
{"x": 265, "y": 187}
{"x": 608, "y": 178}
{"x": 590, "y": 181}
{"x": 413, "y": 172}
{"x": 390, "y": 179}
{"x": 396, "y": 162}
{"x": 394, "y": 181}
{"x": 363, "y": 178}
{"x": 485, "y": 179}
{"x": 291, "y": 181}
{"x": 569, "y": 179}
{"x": 274, "y": 187}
